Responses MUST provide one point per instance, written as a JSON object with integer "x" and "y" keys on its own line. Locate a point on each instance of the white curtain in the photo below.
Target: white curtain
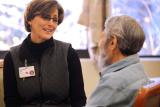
{"x": 91, "y": 17}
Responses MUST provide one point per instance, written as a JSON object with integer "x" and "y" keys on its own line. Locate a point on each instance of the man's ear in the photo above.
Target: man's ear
{"x": 113, "y": 43}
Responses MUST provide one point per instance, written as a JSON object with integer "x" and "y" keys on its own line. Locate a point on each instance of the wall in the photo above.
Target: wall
{"x": 1, "y": 88}
{"x": 152, "y": 67}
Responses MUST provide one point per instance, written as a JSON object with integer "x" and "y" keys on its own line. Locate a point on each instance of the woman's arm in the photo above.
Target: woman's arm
{"x": 11, "y": 97}
{"x": 77, "y": 92}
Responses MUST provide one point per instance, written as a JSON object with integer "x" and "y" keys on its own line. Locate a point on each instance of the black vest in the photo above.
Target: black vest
{"x": 50, "y": 85}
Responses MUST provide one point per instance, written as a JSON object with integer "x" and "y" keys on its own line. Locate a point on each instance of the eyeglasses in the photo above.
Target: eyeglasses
{"x": 48, "y": 18}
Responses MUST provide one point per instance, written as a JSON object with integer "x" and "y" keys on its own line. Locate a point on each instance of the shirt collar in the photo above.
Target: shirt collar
{"x": 132, "y": 59}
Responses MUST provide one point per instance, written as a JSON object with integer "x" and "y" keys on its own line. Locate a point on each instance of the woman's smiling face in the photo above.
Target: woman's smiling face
{"x": 43, "y": 26}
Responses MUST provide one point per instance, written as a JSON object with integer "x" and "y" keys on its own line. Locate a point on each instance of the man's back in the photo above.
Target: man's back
{"x": 119, "y": 84}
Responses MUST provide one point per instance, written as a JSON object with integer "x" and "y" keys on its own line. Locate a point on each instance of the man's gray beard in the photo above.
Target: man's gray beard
{"x": 102, "y": 61}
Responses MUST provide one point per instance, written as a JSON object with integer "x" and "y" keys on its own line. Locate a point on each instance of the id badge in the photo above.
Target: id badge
{"x": 27, "y": 71}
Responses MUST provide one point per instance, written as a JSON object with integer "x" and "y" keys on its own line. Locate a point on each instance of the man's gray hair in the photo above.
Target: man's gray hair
{"x": 129, "y": 33}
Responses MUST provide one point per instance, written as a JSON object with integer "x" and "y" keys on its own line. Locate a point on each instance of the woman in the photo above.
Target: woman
{"x": 43, "y": 72}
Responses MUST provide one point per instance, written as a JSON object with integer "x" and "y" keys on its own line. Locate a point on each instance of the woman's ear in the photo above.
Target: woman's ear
{"x": 29, "y": 22}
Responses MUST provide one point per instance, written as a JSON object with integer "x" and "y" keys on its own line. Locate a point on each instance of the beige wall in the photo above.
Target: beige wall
{"x": 91, "y": 77}
{"x": 152, "y": 67}
{"x": 1, "y": 88}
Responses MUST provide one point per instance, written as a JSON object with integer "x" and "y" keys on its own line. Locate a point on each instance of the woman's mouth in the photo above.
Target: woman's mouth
{"x": 48, "y": 30}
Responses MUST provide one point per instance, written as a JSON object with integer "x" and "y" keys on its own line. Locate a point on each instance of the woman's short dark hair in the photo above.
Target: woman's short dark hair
{"x": 41, "y": 7}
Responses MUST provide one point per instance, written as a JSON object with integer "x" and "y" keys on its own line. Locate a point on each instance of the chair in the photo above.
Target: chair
{"x": 149, "y": 94}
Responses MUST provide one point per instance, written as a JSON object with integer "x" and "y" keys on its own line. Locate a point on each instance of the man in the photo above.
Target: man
{"x": 122, "y": 74}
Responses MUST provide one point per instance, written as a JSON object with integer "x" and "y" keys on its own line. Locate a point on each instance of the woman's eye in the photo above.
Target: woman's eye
{"x": 46, "y": 17}
{"x": 55, "y": 20}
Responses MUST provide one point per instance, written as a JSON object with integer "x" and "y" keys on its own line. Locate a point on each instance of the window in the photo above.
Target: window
{"x": 146, "y": 12}
{"x": 12, "y": 31}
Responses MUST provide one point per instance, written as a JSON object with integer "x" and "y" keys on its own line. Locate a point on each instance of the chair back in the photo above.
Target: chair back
{"x": 149, "y": 94}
